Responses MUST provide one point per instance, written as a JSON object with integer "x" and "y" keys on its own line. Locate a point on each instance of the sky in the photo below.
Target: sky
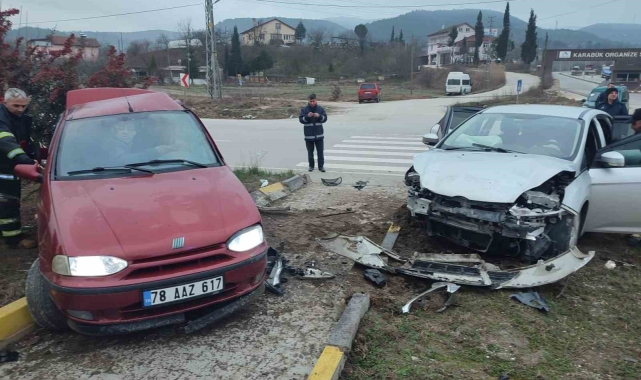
{"x": 549, "y": 12}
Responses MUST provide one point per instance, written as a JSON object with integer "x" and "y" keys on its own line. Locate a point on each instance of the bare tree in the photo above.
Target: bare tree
{"x": 162, "y": 42}
{"x": 138, "y": 47}
{"x": 200, "y": 35}
{"x": 317, "y": 37}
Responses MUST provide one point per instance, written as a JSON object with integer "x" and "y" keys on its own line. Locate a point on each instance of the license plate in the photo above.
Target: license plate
{"x": 181, "y": 292}
{"x": 368, "y": 92}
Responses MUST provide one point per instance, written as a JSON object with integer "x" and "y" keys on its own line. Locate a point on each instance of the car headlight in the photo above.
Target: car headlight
{"x": 246, "y": 239}
{"x": 87, "y": 266}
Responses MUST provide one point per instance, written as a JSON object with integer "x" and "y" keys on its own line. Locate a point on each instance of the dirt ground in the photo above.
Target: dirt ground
{"x": 533, "y": 96}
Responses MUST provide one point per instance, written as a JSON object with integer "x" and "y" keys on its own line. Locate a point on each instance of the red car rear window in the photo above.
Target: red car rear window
{"x": 367, "y": 86}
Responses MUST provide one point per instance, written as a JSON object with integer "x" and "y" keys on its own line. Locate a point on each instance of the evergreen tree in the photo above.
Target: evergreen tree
{"x": 330, "y": 68}
{"x": 227, "y": 60}
{"x": 464, "y": 49}
{"x": 300, "y": 33}
{"x": 479, "y": 33}
{"x": 393, "y": 37}
{"x": 528, "y": 49}
{"x": 152, "y": 68}
{"x": 502, "y": 42}
{"x": 453, "y": 35}
{"x": 235, "y": 59}
{"x": 262, "y": 62}
{"x": 361, "y": 31}
{"x": 400, "y": 38}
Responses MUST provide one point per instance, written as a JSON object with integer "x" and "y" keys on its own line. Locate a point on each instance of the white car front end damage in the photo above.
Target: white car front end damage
{"x": 503, "y": 203}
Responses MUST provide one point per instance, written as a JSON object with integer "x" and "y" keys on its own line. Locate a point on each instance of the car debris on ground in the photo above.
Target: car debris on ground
{"x": 274, "y": 269}
{"x": 360, "y": 185}
{"x": 311, "y": 272}
{"x": 361, "y": 250}
{"x": 531, "y": 299}
{"x": 375, "y": 277}
{"x": 332, "y": 182}
{"x": 9, "y": 356}
{"x": 451, "y": 289}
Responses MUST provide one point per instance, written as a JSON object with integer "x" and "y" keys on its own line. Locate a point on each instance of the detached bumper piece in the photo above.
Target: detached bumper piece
{"x": 483, "y": 274}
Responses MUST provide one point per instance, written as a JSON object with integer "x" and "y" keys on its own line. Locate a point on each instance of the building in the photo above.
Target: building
{"x": 469, "y": 42}
{"x": 89, "y": 46}
{"x": 438, "y": 52}
{"x": 177, "y": 44}
{"x": 273, "y": 31}
{"x": 627, "y": 72}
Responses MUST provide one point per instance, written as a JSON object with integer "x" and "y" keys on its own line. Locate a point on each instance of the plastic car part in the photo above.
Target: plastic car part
{"x": 332, "y": 182}
{"x": 274, "y": 268}
{"x": 358, "y": 248}
{"x": 451, "y": 288}
{"x": 532, "y": 299}
{"x": 376, "y": 277}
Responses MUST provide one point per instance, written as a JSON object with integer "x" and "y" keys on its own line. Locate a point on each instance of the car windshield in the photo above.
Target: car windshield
{"x": 116, "y": 141}
{"x": 368, "y": 86}
{"x": 595, "y": 94}
{"x": 453, "y": 82}
{"x": 530, "y": 134}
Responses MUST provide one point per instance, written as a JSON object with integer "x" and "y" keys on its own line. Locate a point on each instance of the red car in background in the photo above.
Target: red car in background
{"x": 140, "y": 221}
{"x": 370, "y": 92}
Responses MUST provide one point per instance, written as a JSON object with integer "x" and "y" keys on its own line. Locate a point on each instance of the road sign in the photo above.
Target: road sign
{"x": 184, "y": 80}
{"x": 519, "y": 86}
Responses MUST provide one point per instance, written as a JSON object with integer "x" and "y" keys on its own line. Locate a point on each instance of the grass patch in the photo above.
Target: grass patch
{"x": 532, "y": 96}
{"x": 592, "y": 331}
{"x": 250, "y": 176}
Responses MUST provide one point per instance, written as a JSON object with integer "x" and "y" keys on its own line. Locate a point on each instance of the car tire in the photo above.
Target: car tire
{"x": 360, "y": 102}
{"x": 41, "y": 307}
{"x": 378, "y": 100}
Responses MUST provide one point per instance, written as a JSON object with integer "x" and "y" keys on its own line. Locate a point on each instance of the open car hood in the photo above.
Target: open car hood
{"x": 485, "y": 176}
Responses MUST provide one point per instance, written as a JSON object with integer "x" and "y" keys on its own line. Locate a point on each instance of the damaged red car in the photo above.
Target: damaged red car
{"x": 140, "y": 221}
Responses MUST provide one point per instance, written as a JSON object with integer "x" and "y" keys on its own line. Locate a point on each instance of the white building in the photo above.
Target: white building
{"x": 438, "y": 52}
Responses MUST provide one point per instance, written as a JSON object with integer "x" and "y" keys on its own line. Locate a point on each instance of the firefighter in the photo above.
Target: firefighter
{"x": 16, "y": 148}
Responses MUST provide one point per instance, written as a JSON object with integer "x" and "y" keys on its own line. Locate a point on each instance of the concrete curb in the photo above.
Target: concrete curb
{"x": 585, "y": 80}
{"x": 331, "y": 362}
{"x": 15, "y": 322}
{"x": 264, "y": 196}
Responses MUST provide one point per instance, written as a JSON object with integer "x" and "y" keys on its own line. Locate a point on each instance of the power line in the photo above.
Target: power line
{"x": 121, "y": 14}
{"x": 578, "y": 10}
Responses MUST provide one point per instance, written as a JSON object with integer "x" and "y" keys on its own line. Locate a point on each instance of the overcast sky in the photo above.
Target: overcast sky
{"x": 621, "y": 11}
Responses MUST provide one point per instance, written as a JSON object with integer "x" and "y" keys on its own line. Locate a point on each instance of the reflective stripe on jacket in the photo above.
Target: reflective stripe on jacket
{"x": 313, "y": 126}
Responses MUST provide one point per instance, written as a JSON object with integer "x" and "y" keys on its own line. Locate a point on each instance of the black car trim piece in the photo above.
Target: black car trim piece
{"x": 157, "y": 284}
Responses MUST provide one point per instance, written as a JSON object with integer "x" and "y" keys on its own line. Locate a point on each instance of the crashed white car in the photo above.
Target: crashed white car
{"x": 525, "y": 181}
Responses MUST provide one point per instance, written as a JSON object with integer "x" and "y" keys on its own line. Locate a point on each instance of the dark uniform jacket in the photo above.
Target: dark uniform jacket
{"x": 615, "y": 109}
{"x": 313, "y": 126}
{"x": 16, "y": 146}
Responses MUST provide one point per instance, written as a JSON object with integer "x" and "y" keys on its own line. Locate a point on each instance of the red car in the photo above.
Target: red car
{"x": 369, "y": 91}
{"x": 140, "y": 221}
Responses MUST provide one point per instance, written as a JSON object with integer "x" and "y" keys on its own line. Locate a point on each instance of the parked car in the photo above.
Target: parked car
{"x": 624, "y": 96}
{"x": 576, "y": 70}
{"x": 525, "y": 181}
{"x": 140, "y": 221}
{"x": 589, "y": 70}
{"x": 370, "y": 92}
{"x": 606, "y": 72}
{"x": 453, "y": 117}
{"x": 458, "y": 83}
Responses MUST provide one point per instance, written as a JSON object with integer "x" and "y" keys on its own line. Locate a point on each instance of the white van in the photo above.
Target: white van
{"x": 458, "y": 83}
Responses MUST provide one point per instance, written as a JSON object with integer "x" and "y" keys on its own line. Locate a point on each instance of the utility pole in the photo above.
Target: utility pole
{"x": 412, "y": 67}
{"x": 488, "y": 59}
{"x": 214, "y": 82}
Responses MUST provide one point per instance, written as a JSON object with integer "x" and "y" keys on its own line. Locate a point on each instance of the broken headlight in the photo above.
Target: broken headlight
{"x": 412, "y": 178}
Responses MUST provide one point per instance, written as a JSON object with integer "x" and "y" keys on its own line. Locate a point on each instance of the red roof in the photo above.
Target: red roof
{"x": 93, "y": 102}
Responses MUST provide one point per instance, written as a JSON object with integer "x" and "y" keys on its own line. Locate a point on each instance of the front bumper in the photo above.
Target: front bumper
{"x": 121, "y": 305}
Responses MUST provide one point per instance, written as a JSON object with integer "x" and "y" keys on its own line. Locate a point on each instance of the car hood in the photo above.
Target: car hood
{"x": 138, "y": 217}
{"x": 485, "y": 176}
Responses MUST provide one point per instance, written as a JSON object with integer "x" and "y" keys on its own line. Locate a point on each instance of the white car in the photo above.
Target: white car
{"x": 525, "y": 181}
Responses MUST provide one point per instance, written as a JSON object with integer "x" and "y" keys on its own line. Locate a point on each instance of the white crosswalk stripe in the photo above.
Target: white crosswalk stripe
{"x": 377, "y": 154}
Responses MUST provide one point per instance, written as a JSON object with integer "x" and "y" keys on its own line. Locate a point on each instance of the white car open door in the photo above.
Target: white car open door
{"x": 616, "y": 180}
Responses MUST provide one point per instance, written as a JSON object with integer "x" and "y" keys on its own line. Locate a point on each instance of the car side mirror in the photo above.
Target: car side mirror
{"x": 583, "y": 100}
{"x": 29, "y": 172}
{"x": 435, "y": 128}
{"x": 430, "y": 139}
{"x": 612, "y": 159}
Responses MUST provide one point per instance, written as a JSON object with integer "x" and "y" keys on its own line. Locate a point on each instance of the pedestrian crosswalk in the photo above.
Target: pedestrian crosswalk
{"x": 391, "y": 154}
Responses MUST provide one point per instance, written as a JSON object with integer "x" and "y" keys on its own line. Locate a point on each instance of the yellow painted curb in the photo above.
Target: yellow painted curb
{"x": 393, "y": 228}
{"x": 14, "y": 318}
{"x": 272, "y": 188}
{"x": 329, "y": 365}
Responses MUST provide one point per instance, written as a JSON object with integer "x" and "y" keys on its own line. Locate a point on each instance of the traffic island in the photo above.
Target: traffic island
{"x": 15, "y": 322}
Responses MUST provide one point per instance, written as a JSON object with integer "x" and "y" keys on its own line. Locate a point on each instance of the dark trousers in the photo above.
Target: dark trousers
{"x": 319, "y": 149}
{"x": 10, "y": 228}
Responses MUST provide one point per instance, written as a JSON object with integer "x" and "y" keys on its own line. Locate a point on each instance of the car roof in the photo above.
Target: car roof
{"x": 147, "y": 101}
{"x": 540, "y": 109}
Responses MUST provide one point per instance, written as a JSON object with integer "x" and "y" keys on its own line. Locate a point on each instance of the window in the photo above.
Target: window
{"x": 466, "y": 82}
{"x": 278, "y": 25}
{"x": 460, "y": 29}
{"x": 633, "y": 77}
{"x": 530, "y": 134}
{"x": 622, "y": 77}
{"x": 453, "y": 82}
{"x": 467, "y": 29}
{"x": 368, "y": 86}
{"x": 261, "y": 37}
{"x": 118, "y": 140}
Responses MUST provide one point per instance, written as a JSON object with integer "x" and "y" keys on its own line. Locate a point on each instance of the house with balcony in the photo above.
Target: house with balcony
{"x": 271, "y": 32}
{"x": 438, "y": 52}
{"x": 465, "y": 49}
{"x": 90, "y": 46}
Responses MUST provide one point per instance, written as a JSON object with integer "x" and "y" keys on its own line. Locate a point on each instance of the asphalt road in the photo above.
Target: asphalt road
{"x": 373, "y": 142}
{"x": 582, "y": 86}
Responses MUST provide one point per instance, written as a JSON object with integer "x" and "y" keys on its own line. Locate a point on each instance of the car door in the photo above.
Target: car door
{"x": 459, "y": 115}
{"x": 614, "y": 199}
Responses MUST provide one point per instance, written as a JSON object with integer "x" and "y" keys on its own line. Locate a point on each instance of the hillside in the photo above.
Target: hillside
{"x": 421, "y": 23}
{"x": 348, "y": 22}
{"x": 105, "y": 38}
{"x": 628, "y": 33}
{"x": 246, "y": 23}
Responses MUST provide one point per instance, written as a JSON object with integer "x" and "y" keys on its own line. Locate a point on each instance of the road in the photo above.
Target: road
{"x": 373, "y": 142}
{"x": 583, "y": 86}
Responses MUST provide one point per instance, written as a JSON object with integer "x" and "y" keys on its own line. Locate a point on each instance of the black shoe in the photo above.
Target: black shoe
{"x": 310, "y": 169}
{"x": 322, "y": 169}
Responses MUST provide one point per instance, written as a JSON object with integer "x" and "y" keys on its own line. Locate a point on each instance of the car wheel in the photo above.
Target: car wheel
{"x": 41, "y": 307}
{"x": 360, "y": 102}
{"x": 378, "y": 100}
